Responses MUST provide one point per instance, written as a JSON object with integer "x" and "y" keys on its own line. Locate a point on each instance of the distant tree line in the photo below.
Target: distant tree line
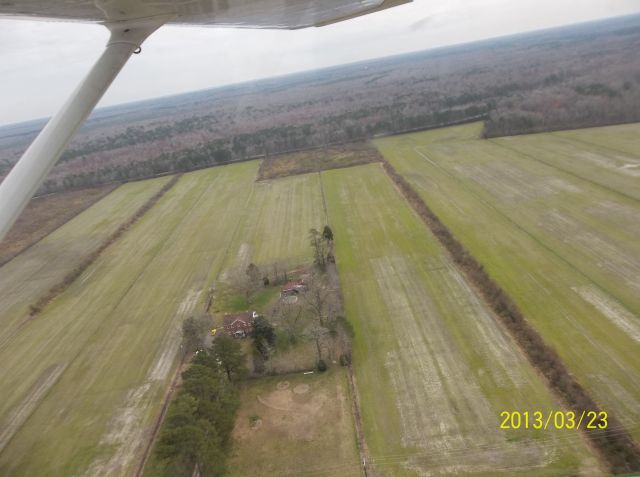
{"x": 571, "y": 78}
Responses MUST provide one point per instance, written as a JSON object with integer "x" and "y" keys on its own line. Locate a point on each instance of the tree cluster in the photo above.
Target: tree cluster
{"x": 196, "y": 434}
{"x": 321, "y": 244}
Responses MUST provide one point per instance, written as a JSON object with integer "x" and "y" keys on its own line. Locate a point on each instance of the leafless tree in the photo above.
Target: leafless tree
{"x": 319, "y": 246}
{"x": 319, "y": 299}
{"x": 289, "y": 316}
{"x": 317, "y": 334}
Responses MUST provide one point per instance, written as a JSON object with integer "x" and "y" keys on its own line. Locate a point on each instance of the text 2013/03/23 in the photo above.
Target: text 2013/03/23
{"x": 553, "y": 419}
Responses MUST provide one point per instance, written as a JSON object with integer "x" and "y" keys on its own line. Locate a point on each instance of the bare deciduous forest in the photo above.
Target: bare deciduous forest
{"x": 570, "y": 77}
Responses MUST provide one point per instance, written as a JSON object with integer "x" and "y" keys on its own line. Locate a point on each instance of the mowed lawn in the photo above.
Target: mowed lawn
{"x": 434, "y": 368}
{"x": 296, "y": 425}
{"x": 30, "y": 275}
{"x": 94, "y": 366}
{"x": 565, "y": 248}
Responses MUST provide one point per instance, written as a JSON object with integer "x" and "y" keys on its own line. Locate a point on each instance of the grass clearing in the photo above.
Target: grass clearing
{"x": 564, "y": 248}
{"x": 434, "y": 368}
{"x": 296, "y": 425}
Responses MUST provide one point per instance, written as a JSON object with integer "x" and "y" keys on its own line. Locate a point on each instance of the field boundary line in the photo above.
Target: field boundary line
{"x": 160, "y": 419}
{"x": 357, "y": 418}
{"x": 324, "y": 199}
{"x": 618, "y": 451}
{"x": 37, "y": 307}
{"x": 70, "y": 278}
{"x": 109, "y": 190}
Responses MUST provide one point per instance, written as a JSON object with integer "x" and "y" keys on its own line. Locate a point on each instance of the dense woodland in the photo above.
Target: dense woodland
{"x": 570, "y": 77}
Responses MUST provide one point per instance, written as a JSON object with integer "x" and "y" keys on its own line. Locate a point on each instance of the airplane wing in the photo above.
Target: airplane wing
{"x": 277, "y": 14}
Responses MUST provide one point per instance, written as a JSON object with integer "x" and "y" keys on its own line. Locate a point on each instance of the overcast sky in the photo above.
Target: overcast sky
{"x": 41, "y": 62}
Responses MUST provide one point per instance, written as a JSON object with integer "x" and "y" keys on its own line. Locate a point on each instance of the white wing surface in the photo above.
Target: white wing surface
{"x": 279, "y": 14}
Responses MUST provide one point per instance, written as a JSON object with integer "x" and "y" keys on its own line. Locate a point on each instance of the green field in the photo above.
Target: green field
{"x": 276, "y": 223}
{"x": 607, "y": 156}
{"x": 104, "y": 350}
{"x": 565, "y": 248}
{"x": 434, "y": 367}
{"x": 296, "y": 425}
{"x": 29, "y": 275}
{"x": 83, "y": 381}
{"x": 91, "y": 370}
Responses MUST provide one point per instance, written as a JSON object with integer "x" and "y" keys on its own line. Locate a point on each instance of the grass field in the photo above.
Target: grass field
{"x": 276, "y": 223}
{"x": 87, "y": 376}
{"x": 434, "y": 368}
{"x": 296, "y": 425}
{"x": 84, "y": 380}
{"x": 607, "y": 156}
{"x": 565, "y": 248}
{"x": 32, "y": 273}
{"x": 45, "y": 214}
{"x": 92, "y": 369}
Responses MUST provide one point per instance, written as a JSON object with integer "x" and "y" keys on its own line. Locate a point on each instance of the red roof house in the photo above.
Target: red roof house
{"x": 239, "y": 325}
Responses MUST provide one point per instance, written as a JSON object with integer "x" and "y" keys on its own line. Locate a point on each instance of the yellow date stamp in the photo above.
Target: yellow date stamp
{"x": 553, "y": 420}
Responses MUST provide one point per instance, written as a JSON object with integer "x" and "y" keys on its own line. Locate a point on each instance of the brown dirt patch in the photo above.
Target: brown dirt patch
{"x": 330, "y": 157}
{"x": 288, "y": 413}
{"x": 301, "y": 389}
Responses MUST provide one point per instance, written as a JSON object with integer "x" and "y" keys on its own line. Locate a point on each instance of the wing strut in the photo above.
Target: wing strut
{"x": 26, "y": 176}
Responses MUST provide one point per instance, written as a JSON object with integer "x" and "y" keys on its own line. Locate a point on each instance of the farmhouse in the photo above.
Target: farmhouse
{"x": 239, "y": 325}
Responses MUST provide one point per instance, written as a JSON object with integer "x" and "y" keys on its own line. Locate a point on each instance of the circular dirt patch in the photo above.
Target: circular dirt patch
{"x": 301, "y": 389}
{"x": 282, "y": 385}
